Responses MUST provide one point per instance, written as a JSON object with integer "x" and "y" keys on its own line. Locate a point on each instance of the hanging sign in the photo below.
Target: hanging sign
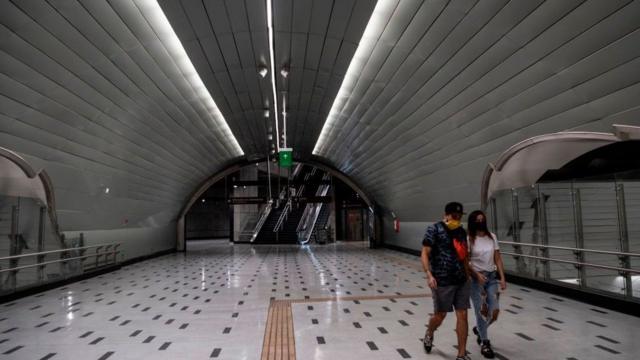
{"x": 286, "y": 157}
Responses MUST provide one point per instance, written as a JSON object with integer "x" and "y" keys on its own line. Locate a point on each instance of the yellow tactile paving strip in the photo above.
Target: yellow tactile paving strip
{"x": 279, "y": 339}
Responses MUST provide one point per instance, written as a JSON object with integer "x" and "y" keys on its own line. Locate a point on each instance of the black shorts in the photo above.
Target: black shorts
{"x": 446, "y": 298}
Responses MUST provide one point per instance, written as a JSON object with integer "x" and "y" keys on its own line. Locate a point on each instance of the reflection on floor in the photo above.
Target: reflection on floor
{"x": 333, "y": 301}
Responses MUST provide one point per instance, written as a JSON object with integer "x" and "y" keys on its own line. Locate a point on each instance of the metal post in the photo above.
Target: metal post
{"x": 41, "y": 238}
{"x": 13, "y": 246}
{"x": 63, "y": 255}
{"x": 579, "y": 236}
{"x": 494, "y": 215}
{"x": 544, "y": 231}
{"x": 623, "y": 236}
{"x": 106, "y": 254}
{"x": 82, "y": 252}
{"x": 521, "y": 266}
{"x": 98, "y": 256}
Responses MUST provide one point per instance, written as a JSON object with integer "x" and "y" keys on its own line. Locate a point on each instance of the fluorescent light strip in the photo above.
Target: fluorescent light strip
{"x": 272, "y": 60}
{"x": 377, "y": 22}
{"x": 152, "y": 11}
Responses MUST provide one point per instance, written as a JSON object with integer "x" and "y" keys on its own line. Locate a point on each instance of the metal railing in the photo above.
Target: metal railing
{"x": 263, "y": 217}
{"x": 283, "y": 216}
{"x": 582, "y": 232}
{"x": 70, "y": 258}
{"x": 109, "y": 249}
{"x": 623, "y": 256}
{"x": 310, "y": 215}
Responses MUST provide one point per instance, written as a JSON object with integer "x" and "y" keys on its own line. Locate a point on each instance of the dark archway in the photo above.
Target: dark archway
{"x": 605, "y": 162}
{"x": 237, "y": 165}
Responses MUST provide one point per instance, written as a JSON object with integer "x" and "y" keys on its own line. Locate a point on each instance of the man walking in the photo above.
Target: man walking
{"x": 445, "y": 260}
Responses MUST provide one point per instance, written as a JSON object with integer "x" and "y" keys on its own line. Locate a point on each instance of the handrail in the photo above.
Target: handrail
{"x": 114, "y": 252}
{"x": 569, "y": 248}
{"x": 606, "y": 267}
{"x": 283, "y": 216}
{"x": 296, "y": 171}
{"x": 55, "y": 251}
{"x": 310, "y": 216}
{"x": 263, "y": 217}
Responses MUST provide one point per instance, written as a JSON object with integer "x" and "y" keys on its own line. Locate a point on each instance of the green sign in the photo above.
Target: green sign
{"x": 286, "y": 157}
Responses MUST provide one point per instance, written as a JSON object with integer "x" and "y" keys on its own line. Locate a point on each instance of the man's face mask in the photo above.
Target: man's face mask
{"x": 454, "y": 221}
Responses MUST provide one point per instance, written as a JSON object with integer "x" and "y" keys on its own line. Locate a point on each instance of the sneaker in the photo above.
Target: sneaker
{"x": 477, "y": 333}
{"x": 464, "y": 357}
{"x": 427, "y": 342}
{"x": 486, "y": 350}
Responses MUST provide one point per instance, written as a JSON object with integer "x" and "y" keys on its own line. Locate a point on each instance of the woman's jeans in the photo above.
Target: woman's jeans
{"x": 490, "y": 291}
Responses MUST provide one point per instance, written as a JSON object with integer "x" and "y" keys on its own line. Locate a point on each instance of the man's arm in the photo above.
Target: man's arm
{"x": 467, "y": 267}
{"x": 431, "y": 281}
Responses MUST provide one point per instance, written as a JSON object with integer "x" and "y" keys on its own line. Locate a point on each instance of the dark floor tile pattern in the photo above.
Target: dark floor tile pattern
{"x": 12, "y": 350}
{"x": 404, "y": 353}
{"x": 215, "y": 353}
{"x": 106, "y": 355}
{"x": 609, "y": 350}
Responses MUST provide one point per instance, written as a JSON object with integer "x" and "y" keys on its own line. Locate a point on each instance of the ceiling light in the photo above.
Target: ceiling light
{"x": 262, "y": 70}
{"x": 158, "y": 21}
{"x": 376, "y": 25}
{"x": 284, "y": 72}
{"x": 266, "y": 113}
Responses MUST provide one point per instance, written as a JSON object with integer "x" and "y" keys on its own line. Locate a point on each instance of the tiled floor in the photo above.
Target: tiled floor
{"x": 213, "y": 303}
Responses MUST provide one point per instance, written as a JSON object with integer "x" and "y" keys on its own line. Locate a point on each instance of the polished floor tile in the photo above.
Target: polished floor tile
{"x": 346, "y": 302}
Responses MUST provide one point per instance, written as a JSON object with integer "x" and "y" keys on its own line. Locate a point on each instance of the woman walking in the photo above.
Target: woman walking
{"x": 487, "y": 274}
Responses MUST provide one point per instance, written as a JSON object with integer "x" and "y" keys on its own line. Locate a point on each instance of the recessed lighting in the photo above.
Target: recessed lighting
{"x": 262, "y": 70}
{"x": 284, "y": 72}
{"x": 106, "y": 190}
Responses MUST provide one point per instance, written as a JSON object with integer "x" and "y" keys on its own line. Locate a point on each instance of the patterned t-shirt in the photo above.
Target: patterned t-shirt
{"x": 445, "y": 266}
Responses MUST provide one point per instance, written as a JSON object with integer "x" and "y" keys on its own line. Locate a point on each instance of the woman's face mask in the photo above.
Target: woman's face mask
{"x": 481, "y": 223}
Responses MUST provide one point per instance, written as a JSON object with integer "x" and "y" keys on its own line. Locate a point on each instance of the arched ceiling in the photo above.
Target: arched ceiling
{"x": 96, "y": 93}
{"x": 228, "y": 41}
